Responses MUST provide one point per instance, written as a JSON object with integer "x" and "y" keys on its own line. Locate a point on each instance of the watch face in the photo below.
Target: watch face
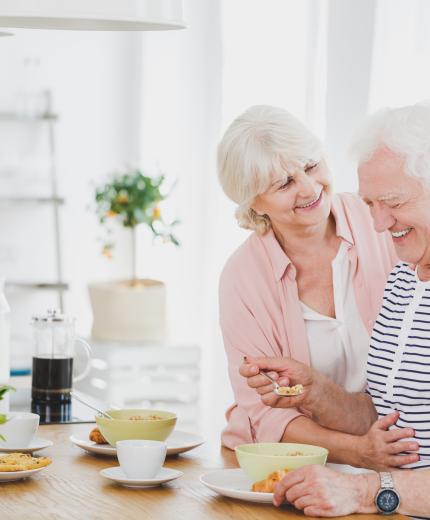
{"x": 388, "y": 501}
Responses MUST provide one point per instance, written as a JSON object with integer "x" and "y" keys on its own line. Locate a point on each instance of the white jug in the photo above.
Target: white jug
{"x": 4, "y": 346}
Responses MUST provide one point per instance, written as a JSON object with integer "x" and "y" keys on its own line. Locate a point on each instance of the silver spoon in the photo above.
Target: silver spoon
{"x": 105, "y": 414}
{"x": 278, "y": 386}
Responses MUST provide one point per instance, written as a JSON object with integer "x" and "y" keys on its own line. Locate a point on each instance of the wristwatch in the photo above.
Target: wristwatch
{"x": 387, "y": 499}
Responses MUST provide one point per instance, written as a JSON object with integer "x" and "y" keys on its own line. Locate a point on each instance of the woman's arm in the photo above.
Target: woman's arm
{"x": 320, "y": 491}
{"x": 330, "y": 405}
{"x": 249, "y": 420}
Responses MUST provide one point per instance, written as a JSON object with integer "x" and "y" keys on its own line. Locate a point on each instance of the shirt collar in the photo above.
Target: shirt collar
{"x": 280, "y": 261}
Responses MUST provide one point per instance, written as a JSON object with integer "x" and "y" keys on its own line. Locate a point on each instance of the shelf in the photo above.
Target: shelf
{"x": 31, "y": 200}
{"x": 13, "y": 116}
{"x": 47, "y": 286}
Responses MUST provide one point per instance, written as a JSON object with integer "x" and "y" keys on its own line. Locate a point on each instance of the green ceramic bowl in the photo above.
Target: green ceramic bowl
{"x": 121, "y": 427}
{"x": 260, "y": 459}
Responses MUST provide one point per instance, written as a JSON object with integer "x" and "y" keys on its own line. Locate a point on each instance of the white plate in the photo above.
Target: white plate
{"x": 117, "y": 475}
{"x": 178, "y": 442}
{"x": 234, "y": 483}
{"x": 35, "y": 445}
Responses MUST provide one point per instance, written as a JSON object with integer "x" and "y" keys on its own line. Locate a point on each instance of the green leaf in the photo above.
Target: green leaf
{"x": 4, "y": 389}
{"x": 3, "y": 418}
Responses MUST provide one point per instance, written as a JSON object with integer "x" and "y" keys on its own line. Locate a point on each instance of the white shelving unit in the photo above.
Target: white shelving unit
{"x": 49, "y": 119}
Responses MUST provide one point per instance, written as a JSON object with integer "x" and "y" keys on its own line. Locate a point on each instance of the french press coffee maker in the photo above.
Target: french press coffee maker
{"x": 53, "y": 355}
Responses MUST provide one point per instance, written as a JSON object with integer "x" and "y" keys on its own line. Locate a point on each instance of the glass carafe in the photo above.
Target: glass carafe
{"x": 53, "y": 354}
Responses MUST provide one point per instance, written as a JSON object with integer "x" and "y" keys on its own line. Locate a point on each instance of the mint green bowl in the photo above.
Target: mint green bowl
{"x": 260, "y": 459}
{"x": 121, "y": 427}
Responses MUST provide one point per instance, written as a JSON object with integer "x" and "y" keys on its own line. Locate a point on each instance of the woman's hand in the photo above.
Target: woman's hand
{"x": 320, "y": 491}
{"x": 286, "y": 372}
{"x": 381, "y": 448}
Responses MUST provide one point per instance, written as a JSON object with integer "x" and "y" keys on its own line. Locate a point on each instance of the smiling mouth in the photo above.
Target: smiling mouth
{"x": 401, "y": 234}
{"x": 311, "y": 203}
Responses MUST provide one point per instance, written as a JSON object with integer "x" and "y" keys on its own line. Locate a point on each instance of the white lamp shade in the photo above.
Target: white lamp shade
{"x": 92, "y": 15}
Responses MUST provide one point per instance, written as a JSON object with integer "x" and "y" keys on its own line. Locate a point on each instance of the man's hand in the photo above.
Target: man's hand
{"x": 286, "y": 372}
{"x": 320, "y": 491}
{"x": 381, "y": 448}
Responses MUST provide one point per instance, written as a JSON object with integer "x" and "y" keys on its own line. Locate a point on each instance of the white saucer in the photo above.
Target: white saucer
{"x": 178, "y": 442}
{"x": 234, "y": 483}
{"x": 164, "y": 475}
{"x": 35, "y": 445}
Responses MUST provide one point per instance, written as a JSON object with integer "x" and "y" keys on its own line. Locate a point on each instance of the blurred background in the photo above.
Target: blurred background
{"x": 77, "y": 106}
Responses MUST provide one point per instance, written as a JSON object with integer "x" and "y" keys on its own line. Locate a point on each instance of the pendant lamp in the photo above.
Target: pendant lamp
{"x": 92, "y": 15}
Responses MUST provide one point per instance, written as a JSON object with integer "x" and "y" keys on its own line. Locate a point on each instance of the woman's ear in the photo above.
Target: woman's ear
{"x": 256, "y": 206}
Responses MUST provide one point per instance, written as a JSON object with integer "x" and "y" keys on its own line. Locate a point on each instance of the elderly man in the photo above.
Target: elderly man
{"x": 393, "y": 151}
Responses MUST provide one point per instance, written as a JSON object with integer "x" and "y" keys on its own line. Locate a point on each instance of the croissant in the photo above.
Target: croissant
{"x": 97, "y": 437}
{"x": 268, "y": 484}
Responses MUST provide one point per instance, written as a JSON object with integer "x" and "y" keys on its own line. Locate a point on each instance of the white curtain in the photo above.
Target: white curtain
{"x": 401, "y": 53}
{"x": 327, "y": 61}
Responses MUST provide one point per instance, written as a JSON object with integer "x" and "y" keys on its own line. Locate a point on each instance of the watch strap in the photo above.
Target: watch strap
{"x": 386, "y": 479}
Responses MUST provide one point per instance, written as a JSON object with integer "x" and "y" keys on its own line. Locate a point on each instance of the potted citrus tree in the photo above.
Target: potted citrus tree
{"x": 132, "y": 309}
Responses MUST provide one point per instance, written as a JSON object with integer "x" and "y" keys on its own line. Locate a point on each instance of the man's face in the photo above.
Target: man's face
{"x": 398, "y": 203}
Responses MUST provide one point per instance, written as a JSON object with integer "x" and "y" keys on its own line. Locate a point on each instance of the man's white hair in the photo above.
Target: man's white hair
{"x": 262, "y": 142}
{"x": 404, "y": 130}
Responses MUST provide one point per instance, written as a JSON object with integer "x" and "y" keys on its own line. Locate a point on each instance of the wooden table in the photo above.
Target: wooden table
{"x": 71, "y": 488}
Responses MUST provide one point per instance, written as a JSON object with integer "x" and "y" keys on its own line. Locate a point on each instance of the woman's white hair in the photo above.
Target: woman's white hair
{"x": 263, "y": 142}
{"x": 404, "y": 130}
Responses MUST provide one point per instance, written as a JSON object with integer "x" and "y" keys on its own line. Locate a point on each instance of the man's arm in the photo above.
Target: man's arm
{"x": 321, "y": 491}
{"x": 378, "y": 449}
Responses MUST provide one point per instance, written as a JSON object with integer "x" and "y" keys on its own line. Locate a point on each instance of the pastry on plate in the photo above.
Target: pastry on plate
{"x": 269, "y": 483}
{"x": 97, "y": 437}
{"x": 22, "y": 462}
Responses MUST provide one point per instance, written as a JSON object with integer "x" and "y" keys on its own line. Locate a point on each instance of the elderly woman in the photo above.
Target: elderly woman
{"x": 307, "y": 284}
{"x": 393, "y": 151}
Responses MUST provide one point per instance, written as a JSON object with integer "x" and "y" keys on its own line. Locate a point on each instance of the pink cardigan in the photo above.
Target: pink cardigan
{"x": 260, "y": 313}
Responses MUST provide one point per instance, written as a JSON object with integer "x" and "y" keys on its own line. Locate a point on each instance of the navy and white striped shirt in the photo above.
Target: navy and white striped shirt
{"x": 398, "y": 366}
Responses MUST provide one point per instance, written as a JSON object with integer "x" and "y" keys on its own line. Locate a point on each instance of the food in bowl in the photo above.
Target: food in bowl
{"x": 269, "y": 483}
{"x": 290, "y": 390}
{"x": 260, "y": 459}
{"x": 129, "y": 424}
{"x": 148, "y": 418}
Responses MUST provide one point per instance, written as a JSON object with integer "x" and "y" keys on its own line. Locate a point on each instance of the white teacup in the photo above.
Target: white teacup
{"x": 18, "y": 430}
{"x": 141, "y": 458}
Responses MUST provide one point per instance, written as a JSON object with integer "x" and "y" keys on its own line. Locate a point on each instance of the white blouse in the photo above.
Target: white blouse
{"x": 339, "y": 346}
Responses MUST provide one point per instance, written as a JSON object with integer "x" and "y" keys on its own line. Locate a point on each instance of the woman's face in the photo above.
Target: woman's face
{"x": 398, "y": 203}
{"x": 300, "y": 199}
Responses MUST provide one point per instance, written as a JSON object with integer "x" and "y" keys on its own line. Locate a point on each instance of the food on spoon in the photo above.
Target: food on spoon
{"x": 290, "y": 390}
{"x": 269, "y": 483}
{"x": 97, "y": 436}
{"x": 22, "y": 462}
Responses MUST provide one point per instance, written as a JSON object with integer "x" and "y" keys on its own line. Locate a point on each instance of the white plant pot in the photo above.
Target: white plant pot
{"x": 122, "y": 312}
